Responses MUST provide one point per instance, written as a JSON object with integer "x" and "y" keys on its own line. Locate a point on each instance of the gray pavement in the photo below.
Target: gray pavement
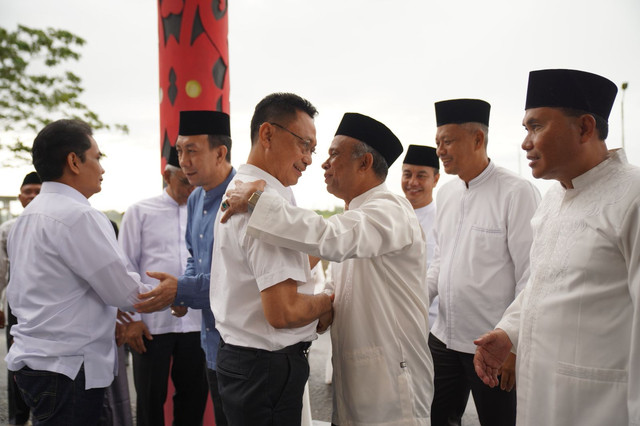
{"x": 320, "y": 392}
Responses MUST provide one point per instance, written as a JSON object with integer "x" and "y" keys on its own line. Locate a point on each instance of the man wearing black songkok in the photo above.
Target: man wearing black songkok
{"x": 575, "y": 327}
{"x": 481, "y": 262}
{"x": 382, "y": 366}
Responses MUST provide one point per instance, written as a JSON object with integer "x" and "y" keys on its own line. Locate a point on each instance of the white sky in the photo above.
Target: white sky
{"x": 390, "y": 59}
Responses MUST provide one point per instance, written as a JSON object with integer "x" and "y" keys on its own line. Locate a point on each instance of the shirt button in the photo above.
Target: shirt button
{"x": 207, "y": 329}
{"x": 182, "y": 303}
{"x": 200, "y": 260}
{"x": 201, "y": 235}
{"x": 205, "y": 212}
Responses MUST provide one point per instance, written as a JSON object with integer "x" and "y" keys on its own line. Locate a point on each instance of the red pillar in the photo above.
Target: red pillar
{"x": 194, "y": 74}
{"x": 194, "y": 62}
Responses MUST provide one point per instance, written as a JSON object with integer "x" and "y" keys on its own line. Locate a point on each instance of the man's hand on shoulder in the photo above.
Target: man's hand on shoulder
{"x": 237, "y": 199}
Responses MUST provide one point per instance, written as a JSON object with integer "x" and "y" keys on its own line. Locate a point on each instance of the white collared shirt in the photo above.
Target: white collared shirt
{"x": 242, "y": 267}
{"x": 481, "y": 262}
{"x": 67, "y": 276}
{"x": 152, "y": 236}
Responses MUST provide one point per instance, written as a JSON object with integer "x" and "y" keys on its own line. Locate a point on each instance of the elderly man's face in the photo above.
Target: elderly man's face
{"x": 291, "y": 147}
{"x": 28, "y": 192}
{"x": 179, "y": 186}
{"x": 551, "y": 143}
{"x": 341, "y": 168}
{"x": 418, "y": 183}
{"x": 455, "y": 147}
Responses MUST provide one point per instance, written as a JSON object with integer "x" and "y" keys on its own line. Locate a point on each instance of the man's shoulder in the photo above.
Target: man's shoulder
{"x": 148, "y": 204}
{"x": 509, "y": 180}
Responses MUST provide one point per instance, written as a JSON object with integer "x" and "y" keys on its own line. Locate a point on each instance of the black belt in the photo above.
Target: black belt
{"x": 293, "y": 349}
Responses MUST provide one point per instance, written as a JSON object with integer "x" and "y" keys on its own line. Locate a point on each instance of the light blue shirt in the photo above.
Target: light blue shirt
{"x": 193, "y": 286}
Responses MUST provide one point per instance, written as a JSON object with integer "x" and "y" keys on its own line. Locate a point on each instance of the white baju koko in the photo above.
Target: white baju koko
{"x": 576, "y": 326}
{"x": 383, "y": 372}
{"x": 481, "y": 262}
{"x": 427, "y": 218}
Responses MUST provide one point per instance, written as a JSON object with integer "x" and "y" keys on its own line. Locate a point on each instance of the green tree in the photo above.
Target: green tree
{"x": 34, "y": 84}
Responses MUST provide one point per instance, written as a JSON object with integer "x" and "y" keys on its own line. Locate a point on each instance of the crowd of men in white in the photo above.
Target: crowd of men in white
{"x": 496, "y": 289}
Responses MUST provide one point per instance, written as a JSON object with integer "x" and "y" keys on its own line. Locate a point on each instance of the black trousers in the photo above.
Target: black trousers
{"x": 151, "y": 375}
{"x": 218, "y": 409}
{"x": 454, "y": 378}
{"x": 262, "y": 388}
{"x": 18, "y": 410}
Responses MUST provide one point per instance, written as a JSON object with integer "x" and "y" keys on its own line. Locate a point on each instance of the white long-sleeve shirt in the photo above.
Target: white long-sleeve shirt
{"x": 576, "y": 325}
{"x": 481, "y": 262}
{"x": 152, "y": 237}
{"x": 68, "y": 275}
{"x": 383, "y": 371}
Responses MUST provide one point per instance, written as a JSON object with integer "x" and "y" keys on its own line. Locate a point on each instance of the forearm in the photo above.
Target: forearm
{"x": 303, "y": 310}
{"x": 193, "y": 291}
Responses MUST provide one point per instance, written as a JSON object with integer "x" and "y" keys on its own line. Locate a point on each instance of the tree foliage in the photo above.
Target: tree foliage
{"x": 34, "y": 84}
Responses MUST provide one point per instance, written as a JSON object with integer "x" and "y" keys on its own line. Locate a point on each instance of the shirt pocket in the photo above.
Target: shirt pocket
{"x": 369, "y": 387}
{"x": 490, "y": 240}
{"x": 589, "y": 395}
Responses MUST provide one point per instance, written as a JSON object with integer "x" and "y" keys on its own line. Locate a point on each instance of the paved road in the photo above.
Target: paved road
{"x": 320, "y": 392}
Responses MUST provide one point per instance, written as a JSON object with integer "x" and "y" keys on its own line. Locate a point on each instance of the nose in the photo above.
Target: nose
{"x": 325, "y": 165}
{"x": 306, "y": 159}
{"x": 440, "y": 151}
{"x": 526, "y": 143}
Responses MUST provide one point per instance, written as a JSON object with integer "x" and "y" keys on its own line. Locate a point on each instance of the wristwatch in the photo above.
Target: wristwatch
{"x": 253, "y": 200}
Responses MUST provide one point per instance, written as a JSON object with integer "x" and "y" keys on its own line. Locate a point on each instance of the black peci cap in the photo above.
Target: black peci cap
{"x": 421, "y": 155}
{"x": 204, "y": 123}
{"x": 562, "y": 88}
{"x": 458, "y": 111}
{"x": 373, "y": 133}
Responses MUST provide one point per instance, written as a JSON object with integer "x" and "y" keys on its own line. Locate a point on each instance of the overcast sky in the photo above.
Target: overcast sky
{"x": 390, "y": 59}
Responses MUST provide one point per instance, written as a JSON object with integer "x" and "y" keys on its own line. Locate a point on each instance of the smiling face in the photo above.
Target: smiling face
{"x": 455, "y": 147}
{"x": 197, "y": 159}
{"x": 418, "y": 183}
{"x": 552, "y": 142}
{"x": 90, "y": 171}
{"x": 288, "y": 156}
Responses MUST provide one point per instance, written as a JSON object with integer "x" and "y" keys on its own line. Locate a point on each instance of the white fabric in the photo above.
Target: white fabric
{"x": 578, "y": 339}
{"x": 242, "y": 267}
{"x": 383, "y": 371}
{"x": 152, "y": 236}
{"x": 4, "y": 263}
{"x": 67, "y": 276}
{"x": 4, "y": 255}
{"x": 427, "y": 218}
{"x": 482, "y": 258}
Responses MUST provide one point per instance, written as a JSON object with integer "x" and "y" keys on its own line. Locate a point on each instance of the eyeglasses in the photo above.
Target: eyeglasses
{"x": 306, "y": 143}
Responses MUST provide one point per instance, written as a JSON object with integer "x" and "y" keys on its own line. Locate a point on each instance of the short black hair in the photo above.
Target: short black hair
{"x": 54, "y": 143}
{"x": 217, "y": 140}
{"x": 279, "y": 107}
{"x": 602, "y": 126}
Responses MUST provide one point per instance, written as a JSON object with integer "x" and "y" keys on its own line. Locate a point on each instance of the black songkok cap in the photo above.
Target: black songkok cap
{"x": 421, "y": 155}
{"x": 204, "y": 123}
{"x": 458, "y": 111}
{"x": 30, "y": 179}
{"x": 571, "y": 89}
{"x": 373, "y": 133}
{"x": 173, "y": 157}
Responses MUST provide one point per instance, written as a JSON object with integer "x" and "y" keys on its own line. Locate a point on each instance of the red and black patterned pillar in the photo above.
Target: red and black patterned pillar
{"x": 194, "y": 62}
